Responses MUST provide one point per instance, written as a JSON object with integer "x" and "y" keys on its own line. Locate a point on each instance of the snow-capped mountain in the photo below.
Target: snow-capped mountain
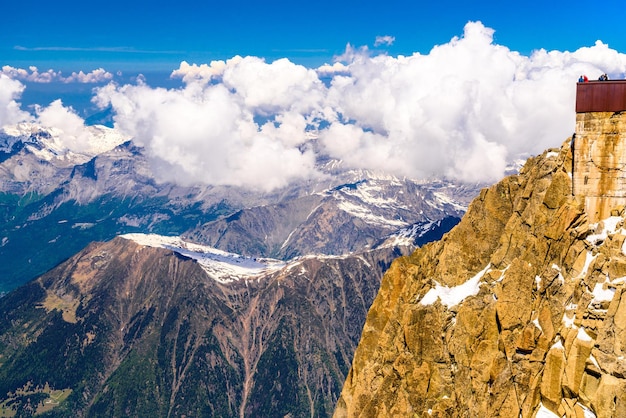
{"x": 169, "y": 325}
{"x": 35, "y": 159}
{"x": 345, "y": 218}
{"x": 57, "y": 199}
{"x": 54, "y": 145}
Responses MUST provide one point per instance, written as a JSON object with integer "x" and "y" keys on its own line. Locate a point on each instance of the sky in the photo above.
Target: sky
{"x": 76, "y": 35}
{"x": 251, "y": 93}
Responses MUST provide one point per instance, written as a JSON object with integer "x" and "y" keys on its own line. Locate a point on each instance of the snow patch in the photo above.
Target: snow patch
{"x": 582, "y": 335}
{"x": 451, "y": 296}
{"x": 397, "y": 240}
{"x": 587, "y": 413}
{"x": 569, "y": 316}
{"x": 360, "y": 257}
{"x": 588, "y": 260}
{"x": 83, "y": 225}
{"x": 609, "y": 226}
{"x": 558, "y": 345}
{"x": 618, "y": 280}
{"x": 502, "y": 274}
{"x": 568, "y": 321}
{"x": 220, "y": 265}
{"x": 594, "y": 361}
{"x": 445, "y": 200}
{"x": 544, "y": 412}
{"x": 406, "y": 236}
{"x": 288, "y": 238}
{"x": 366, "y": 214}
{"x": 368, "y": 192}
{"x": 602, "y": 294}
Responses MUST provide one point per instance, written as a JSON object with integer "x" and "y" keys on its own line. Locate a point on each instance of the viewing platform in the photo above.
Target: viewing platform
{"x": 601, "y": 96}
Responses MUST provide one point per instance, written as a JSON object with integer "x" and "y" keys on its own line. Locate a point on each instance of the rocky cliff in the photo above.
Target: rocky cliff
{"x": 519, "y": 311}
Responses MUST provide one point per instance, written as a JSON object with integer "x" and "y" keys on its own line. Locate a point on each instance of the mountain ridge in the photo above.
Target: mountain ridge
{"x": 129, "y": 329}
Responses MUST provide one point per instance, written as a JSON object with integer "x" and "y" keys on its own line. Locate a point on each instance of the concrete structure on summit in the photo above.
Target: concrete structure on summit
{"x": 599, "y": 147}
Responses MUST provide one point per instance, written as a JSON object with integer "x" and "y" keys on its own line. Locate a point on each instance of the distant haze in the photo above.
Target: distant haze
{"x": 463, "y": 111}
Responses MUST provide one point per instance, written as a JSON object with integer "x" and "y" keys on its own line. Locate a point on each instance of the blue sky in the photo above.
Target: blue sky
{"x": 138, "y": 35}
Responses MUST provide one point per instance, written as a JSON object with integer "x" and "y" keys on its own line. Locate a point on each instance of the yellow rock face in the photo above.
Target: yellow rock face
{"x": 520, "y": 307}
{"x": 600, "y": 162}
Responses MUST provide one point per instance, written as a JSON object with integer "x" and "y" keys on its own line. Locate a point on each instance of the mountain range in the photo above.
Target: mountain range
{"x": 55, "y": 201}
{"x": 126, "y": 296}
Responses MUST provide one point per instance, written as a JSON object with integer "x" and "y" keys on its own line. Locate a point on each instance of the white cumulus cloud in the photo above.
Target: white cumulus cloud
{"x": 68, "y": 127}
{"x": 463, "y": 109}
{"x": 190, "y": 72}
{"x": 205, "y": 133}
{"x": 10, "y": 111}
{"x": 71, "y": 128}
{"x": 276, "y": 87}
{"x": 96, "y": 76}
{"x": 332, "y": 69}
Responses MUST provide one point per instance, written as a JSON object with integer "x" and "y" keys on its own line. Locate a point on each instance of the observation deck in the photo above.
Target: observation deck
{"x": 601, "y": 96}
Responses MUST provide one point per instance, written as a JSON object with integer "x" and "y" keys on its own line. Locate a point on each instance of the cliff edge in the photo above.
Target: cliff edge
{"x": 520, "y": 310}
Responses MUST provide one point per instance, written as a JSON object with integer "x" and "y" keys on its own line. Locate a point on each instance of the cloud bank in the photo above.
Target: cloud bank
{"x": 33, "y": 74}
{"x": 463, "y": 111}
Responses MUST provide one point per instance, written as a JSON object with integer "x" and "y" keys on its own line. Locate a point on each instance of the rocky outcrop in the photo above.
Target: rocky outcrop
{"x": 520, "y": 310}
